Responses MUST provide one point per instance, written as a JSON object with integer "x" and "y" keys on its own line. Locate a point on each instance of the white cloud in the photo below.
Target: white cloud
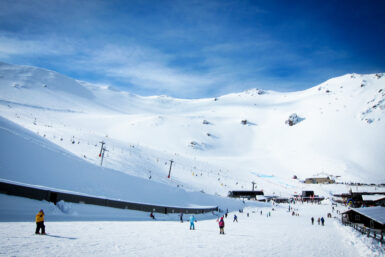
{"x": 147, "y": 68}
{"x": 10, "y": 47}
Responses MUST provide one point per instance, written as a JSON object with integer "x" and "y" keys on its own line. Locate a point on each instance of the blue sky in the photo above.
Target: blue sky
{"x": 194, "y": 49}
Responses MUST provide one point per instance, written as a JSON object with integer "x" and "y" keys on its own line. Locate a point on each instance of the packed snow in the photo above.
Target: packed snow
{"x": 277, "y": 234}
{"x": 51, "y": 127}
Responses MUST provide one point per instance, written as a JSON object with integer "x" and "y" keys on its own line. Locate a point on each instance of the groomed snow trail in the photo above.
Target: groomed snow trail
{"x": 281, "y": 234}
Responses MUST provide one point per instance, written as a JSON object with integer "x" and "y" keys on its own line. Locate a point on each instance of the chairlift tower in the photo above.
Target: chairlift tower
{"x": 102, "y": 151}
{"x": 169, "y": 172}
{"x": 253, "y": 185}
{"x": 102, "y": 155}
{"x": 101, "y": 148}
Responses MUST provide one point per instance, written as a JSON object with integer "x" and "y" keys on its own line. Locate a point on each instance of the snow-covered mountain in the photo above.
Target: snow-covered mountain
{"x": 217, "y": 144}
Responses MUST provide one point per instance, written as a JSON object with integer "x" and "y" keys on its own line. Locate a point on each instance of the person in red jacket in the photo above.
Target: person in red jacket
{"x": 221, "y": 226}
{"x": 40, "y": 223}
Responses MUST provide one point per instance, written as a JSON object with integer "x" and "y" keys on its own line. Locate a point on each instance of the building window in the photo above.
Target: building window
{"x": 357, "y": 218}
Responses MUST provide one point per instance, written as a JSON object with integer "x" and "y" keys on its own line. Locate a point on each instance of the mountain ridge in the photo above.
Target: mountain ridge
{"x": 217, "y": 144}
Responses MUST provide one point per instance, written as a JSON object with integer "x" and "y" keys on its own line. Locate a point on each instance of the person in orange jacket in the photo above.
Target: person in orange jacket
{"x": 40, "y": 223}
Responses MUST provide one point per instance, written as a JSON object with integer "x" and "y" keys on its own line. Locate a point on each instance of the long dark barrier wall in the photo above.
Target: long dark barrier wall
{"x": 55, "y": 196}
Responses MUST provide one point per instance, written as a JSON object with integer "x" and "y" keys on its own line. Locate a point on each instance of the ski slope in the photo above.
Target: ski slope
{"x": 51, "y": 127}
{"x": 281, "y": 234}
{"x": 339, "y": 133}
{"x": 28, "y": 158}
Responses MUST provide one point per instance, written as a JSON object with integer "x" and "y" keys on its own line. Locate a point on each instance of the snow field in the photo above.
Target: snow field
{"x": 51, "y": 126}
{"x": 143, "y": 133}
{"x": 281, "y": 234}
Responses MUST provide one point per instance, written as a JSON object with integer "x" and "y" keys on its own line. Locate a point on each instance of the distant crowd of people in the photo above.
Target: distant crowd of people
{"x": 40, "y": 227}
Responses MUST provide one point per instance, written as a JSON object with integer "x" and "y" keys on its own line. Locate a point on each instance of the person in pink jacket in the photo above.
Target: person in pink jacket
{"x": 221, "y": 224}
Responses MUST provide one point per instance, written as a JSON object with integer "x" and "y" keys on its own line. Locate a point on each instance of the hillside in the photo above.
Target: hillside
{"x": 217, "y": 144}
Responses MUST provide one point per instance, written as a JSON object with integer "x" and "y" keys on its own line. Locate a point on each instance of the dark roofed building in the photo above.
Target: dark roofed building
{"x": 358, "y": 199}
{"x": 245, "y": 194}
{"x": 319, "y": 180}
{"x": 281, "y": 200}
{"x": 371, "y": 217}
{"x": 373, "y": 200}
{"x": 308, "y": 193}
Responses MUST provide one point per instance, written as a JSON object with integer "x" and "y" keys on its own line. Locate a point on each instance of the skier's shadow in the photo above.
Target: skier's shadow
{"x": 63, "y": 237}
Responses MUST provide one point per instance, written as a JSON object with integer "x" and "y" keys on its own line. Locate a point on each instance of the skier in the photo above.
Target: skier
{"x": 235, "y": 218}
{"x": 312, "y": 220}
{"x": 192, "y": 220}
{"x": 318, "y": 220}
{"x": 181, "y": 217}
{"x": 40, "y": 223}
{"x": 152, "y": 216}
{"x": 322, "y": 221}
{"x": 221, "y": 226}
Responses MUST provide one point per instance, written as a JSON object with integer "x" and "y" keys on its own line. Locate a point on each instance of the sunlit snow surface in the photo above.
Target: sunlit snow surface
{"x": 340, "y": 134}
{"x": 281, "y": 234}
{"x": 51, "y": 127}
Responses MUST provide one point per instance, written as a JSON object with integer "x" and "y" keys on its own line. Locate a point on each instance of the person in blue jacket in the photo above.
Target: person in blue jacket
{"x": 192, "y": 221}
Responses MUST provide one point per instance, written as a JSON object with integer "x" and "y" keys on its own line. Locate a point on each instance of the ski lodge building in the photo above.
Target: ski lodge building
{"x": 319, "y": 180}
{"x": 308, "y": 195}
{"x": 358, "y": 199}
{"x": 373, "y": 200}
{"x": 245, "y": 194}
{"x": 371, "y": 217}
